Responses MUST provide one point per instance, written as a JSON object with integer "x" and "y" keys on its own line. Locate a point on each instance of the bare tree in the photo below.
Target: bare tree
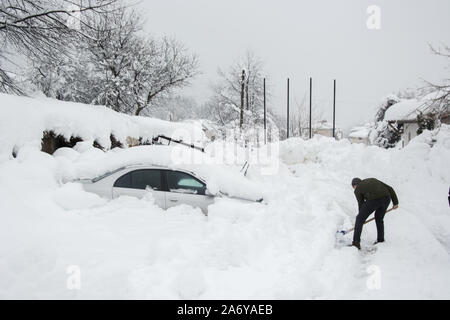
{"x": 440, "y": 104}
{"x": 165, "y": 65}
{"x": 41, "y": 28}
{"x": 238, "y": 95}
{"x": 299, "y": 118}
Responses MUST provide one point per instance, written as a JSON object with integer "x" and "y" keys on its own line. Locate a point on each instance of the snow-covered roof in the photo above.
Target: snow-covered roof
{"x": 409, "y": 109}
{"x": 359, "y": 132}
{"x": 322, "y": 125}
{"x": 24, "y": 119}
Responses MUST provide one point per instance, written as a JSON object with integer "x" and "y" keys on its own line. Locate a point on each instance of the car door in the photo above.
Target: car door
{"x": 137, "y": 183}
{"x": 184, "y": 188}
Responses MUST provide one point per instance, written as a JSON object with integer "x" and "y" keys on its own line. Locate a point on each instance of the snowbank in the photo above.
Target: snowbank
{"x": 23, "y": 121}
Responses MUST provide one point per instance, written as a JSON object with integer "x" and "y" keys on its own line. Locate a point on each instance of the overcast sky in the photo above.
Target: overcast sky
{"x": 323, "y": 39}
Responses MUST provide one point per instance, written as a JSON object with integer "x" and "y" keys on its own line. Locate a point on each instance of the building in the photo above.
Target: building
{"x": 322, "y": 128}
{"x": 360, "y": 134}
{"x": 402, "y": 116}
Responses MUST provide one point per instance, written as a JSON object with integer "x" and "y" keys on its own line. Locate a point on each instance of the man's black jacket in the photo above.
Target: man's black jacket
{"x": 371, "y": 188}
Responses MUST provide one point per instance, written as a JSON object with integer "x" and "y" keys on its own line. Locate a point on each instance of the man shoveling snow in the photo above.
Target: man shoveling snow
{"x": 372, "y": 195}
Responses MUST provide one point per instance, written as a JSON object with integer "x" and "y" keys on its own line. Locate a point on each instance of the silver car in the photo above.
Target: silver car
{"x": 169, "y": 187}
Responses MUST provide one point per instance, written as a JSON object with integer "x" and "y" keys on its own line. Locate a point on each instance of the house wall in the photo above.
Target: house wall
{"x": 409, "y": 132}
{"x": 324, "y": 132}
{"x": 359, "y": 140}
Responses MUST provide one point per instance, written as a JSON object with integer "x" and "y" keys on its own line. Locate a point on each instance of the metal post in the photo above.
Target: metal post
{"x": 265, "y": 111}
{"x": 310, "y": 108}
{"x": 334, "y": 109}
{"x": 241, "y": 117}
{"x": 287, "y": 132}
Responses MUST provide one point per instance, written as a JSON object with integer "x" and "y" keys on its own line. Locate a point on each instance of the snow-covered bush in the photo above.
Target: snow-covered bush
{"x": 382, "y": 134}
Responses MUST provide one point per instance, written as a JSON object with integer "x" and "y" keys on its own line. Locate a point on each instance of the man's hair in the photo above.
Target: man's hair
{"x": 355, "y": 181}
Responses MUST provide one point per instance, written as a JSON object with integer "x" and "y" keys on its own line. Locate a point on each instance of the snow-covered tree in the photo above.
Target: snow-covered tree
{"x": 63, "y": 77}
{"x": 111, "y": 49}
{"x": 382, "y": 134}
{"x": 387, "y": 102}
{"x": 116, "y": 65}
{"x": 176, "y": 108}
{"x": 37, "y": 28}
{"x": 425, "y": 122}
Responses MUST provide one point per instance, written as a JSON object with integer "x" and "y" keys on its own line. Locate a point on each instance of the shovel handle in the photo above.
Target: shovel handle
{"x": 367, "y": 221}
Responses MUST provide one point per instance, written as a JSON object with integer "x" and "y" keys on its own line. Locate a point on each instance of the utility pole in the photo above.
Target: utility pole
{"x": 246, "y": 93}
{"x": 265, "y": 111}
{"x": 241, "y": 118}
{"x": 287, "y": 126}
{"x": 334, "y": 109}
{"x": 310, "y": 108}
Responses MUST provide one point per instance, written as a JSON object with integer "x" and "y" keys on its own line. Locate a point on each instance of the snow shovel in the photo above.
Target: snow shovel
{"x": 344, "y": 232}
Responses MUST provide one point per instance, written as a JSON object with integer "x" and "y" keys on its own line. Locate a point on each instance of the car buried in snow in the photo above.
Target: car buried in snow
{"x": 169, "y": 186}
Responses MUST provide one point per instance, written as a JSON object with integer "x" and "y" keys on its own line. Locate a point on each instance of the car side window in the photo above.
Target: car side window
{"x": 124, "y": 181}
{"x": 140, "y": 179}
{"x": 184, "y": 183}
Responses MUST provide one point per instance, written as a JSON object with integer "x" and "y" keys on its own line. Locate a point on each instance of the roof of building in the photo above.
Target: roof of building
{"x": 408, "y": 109}
{"x": 359, "y": 132}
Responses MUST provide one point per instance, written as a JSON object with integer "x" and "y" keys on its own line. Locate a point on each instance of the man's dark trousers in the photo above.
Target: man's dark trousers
{"x": 379, "y": 206}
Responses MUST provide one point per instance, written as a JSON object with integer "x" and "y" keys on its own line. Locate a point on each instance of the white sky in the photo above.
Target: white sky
{"x": 324, "y": 39}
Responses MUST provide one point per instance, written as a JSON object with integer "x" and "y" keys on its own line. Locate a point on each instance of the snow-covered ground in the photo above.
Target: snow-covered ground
{"x": 284, "y": 249}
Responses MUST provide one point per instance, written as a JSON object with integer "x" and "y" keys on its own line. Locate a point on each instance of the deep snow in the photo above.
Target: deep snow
{"x": 129, "y": 248}
{"x": 283, "y": 249}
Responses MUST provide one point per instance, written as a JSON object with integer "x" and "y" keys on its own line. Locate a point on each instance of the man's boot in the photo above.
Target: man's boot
{"x": 356, "y": 244}
{"x": 378, "y": 241}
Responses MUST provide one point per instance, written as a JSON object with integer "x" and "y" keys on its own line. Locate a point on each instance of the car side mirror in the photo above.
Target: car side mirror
{"x": 209, "y": 193}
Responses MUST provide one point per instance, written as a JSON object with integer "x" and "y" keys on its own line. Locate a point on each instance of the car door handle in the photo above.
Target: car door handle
{"x": 173, "y": 200}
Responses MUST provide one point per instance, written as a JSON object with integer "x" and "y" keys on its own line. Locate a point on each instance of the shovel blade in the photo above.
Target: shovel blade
{"x": 340, "y": 236}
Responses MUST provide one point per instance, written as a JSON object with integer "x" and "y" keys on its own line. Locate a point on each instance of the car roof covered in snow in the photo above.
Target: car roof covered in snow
{"x": 218, "y": 176}
{"x": 142, "y": 166}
